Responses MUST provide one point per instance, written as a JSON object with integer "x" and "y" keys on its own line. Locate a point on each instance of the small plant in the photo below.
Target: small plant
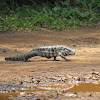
{"x": 57, "y": 15}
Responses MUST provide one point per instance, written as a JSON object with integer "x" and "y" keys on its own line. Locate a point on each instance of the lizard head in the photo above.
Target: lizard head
{"x": 69, "y": 51}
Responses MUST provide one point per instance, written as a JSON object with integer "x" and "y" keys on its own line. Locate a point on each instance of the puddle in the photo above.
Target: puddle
{"x": 85, "y": 87}
{"x": 5, "y": 96}
{"x": 67, "y": 87}
{"x": 57, "y": 86}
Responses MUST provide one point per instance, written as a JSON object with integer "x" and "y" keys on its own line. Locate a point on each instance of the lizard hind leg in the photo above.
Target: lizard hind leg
{"x": 55, "y": 59}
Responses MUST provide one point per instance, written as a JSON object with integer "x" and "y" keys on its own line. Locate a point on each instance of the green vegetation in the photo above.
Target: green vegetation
{"x": 58, "y": 14}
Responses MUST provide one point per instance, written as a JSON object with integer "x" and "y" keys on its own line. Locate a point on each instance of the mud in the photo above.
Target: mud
{"x": 83, "y": 67}
{"x": 61, "y": 89}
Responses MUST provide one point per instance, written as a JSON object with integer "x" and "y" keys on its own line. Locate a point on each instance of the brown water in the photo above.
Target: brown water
{"x": 4, "y": 96}
{"x": 67, "y": 87}
{"x": 85, "y": 87}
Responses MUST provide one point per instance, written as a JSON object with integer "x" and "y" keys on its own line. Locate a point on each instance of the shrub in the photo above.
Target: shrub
{"x": 57, "y": 14}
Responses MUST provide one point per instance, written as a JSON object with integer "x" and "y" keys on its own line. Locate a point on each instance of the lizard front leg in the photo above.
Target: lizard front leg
{"x": 61, "y": 55}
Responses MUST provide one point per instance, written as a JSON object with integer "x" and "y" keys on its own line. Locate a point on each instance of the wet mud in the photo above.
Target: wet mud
{"x": 45, "y": 79}
{"x": 68, "y": 89}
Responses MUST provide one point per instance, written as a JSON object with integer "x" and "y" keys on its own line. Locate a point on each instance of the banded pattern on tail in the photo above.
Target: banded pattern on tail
{"x": 23, "y": 57}
{"x": 45, "y": 51}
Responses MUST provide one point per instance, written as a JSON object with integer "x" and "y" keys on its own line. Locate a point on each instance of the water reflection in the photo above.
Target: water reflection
{"x": 85, "y": 87}
{"x": 67, "y": 87}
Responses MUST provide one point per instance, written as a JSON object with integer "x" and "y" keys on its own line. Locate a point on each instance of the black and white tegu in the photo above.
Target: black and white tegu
{"x": 45, "y": 51}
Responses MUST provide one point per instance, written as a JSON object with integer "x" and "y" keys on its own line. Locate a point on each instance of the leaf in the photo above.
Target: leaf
{"x": 84, "y": 9}
{"x": 56, "y": 9}
{"x": 85, "y": 14}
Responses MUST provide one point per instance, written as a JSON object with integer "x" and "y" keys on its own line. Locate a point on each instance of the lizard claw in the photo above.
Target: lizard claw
{"x": 68, "y": 60}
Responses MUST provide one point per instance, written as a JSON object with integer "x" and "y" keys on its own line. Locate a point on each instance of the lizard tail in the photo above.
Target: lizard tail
{"x": 17, "y": 58}
{"x": 23, "y": 57}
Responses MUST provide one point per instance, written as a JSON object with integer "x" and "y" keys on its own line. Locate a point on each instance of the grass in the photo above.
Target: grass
{"x": 60, "y": 16}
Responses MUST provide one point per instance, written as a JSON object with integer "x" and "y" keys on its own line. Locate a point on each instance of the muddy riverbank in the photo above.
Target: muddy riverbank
{"x": 83, "y": 67}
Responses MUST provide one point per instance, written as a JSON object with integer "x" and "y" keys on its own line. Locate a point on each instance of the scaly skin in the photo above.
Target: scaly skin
{"x": 45, "y": 51}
